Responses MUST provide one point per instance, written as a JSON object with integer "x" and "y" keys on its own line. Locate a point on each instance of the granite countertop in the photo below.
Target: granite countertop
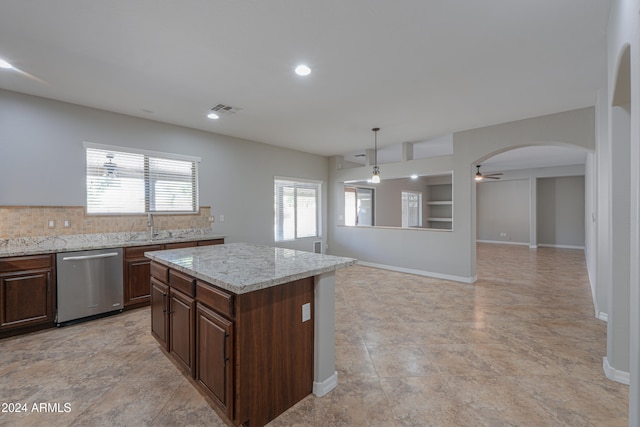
{"x": 243, "y": 267}
{"x": 83, "y": 242}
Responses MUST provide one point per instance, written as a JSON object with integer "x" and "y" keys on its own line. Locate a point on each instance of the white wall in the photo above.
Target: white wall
{"x": 43, "y": 162}
{"x": 503, "y": 207}
{"x": 541, "y": 206}
{"x": 602, "y": 282}
{"x": 623, "y": 36}
{"x": 388, "y": 200}
{"x": 560, "y": 212}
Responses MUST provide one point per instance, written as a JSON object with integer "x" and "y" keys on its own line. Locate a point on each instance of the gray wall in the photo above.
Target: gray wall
{"x": 503, "y": 207}
{"x": 388, "y": 204}
{"x": 561, "y": 211}
{"x": 43, "y": 162}
{"x": 450, "y": 254}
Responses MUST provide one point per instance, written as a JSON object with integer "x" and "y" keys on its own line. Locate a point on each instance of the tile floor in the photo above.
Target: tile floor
{"x": 520, "y": 347}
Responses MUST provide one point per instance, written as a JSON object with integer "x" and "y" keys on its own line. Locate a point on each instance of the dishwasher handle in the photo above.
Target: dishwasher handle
{"x": 83, "y": 257}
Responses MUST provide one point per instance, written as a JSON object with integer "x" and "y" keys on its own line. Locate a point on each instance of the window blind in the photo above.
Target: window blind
{"x": 296, "y": 209}
{"x": 123, "y": 182}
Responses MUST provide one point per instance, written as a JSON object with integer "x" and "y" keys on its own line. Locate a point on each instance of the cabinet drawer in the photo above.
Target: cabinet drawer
{"x": 214, "y": 298}
{"x": 22, "y": 263}
{"x": 179, "y": 245}
{"x": 138, "y": 251}
{"x": 160, "y": 272}
{"x": 211, "y": 242}
{"x": 182, "y": 282}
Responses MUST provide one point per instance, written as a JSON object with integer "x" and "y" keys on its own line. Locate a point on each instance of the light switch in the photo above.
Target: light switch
{"x": 52, "y": 224}
{"x": 306, "y": 312}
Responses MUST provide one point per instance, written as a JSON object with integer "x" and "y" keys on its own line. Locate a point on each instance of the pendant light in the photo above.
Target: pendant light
{"x": 375, "y": 178}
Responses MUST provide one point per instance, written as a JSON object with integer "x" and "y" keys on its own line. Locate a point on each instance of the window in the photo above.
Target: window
{"x": 138, "y": 181}
{"x": 297, "y": 206}
{"x": 358, "y": 206}
{"x": 411, "y": 209}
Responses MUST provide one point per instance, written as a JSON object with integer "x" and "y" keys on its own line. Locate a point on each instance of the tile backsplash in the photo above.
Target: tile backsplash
{"x": 33, "y": 221}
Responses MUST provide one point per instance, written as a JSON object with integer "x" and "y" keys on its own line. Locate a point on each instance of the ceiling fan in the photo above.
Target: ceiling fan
{"x": 480, "y": 176}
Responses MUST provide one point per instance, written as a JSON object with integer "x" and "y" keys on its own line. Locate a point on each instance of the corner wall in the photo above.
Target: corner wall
{"x": 623, "y": 33}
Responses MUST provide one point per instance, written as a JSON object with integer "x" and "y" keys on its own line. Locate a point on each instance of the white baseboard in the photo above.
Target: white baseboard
{"x": 420, "y": 272}
{"x": 503, "y": 242}
{"x": 542, "y": 245}
{"x": 603, "y": 316}
{"x": 324, "y": 387}
{"x": 545, "y": 245}
{"x": 614, "y": 374}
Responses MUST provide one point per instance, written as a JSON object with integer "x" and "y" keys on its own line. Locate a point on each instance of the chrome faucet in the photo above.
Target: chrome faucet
{"x": 152, "y": 234}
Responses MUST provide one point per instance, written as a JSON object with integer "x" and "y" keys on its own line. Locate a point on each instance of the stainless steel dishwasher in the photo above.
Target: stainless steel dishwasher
{"x": 89, "y": 284}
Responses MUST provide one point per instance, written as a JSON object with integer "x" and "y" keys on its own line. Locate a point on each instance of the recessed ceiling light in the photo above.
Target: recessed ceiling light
{"x": 414, "y": 176}
{"x": 303, "y": 70}
{"x": 5, "y": 64}
{"x": 213, "y": 116}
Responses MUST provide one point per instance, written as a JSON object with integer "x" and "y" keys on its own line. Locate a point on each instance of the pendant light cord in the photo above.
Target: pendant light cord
{"x": 375, "y": 151}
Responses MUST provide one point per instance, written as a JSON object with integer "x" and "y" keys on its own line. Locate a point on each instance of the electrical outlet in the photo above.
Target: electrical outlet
{"x": 306, "y": 312}
{"x": 52, "y": 224}
{"x": 66, "y": 223}
{"x": 212, "y": 219}
{"x": 221, "y": 218}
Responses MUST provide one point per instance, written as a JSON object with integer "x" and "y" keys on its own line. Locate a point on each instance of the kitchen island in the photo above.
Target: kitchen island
{"x": 252, "y": 325}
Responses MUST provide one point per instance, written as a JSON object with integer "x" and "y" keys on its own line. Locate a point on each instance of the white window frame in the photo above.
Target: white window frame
{"x": 150, "y": 178}
{"x": 405, "y": 208}
{"x": 279, "y": 219}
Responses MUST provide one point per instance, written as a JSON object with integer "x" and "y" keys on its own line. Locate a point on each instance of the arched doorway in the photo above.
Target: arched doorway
{"x": 507, "y": 209}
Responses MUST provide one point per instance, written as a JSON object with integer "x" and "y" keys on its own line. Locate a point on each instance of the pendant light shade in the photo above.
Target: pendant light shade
{"x": 375, "y": 177}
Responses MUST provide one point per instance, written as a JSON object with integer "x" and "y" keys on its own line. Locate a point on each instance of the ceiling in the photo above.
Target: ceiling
{"x": 418, "y": 69}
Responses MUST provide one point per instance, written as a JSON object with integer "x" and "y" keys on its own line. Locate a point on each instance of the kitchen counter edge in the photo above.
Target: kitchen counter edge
{"x": 241, "y": 286}
{"x": 85, "y": 242}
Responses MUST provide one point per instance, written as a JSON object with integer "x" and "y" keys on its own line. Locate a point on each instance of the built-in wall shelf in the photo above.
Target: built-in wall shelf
{"x": 440, "y": 219}
{"x": 439, "y": 205}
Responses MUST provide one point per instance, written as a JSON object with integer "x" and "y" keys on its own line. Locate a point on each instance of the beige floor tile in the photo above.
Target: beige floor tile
{"x": 520, "y": 347}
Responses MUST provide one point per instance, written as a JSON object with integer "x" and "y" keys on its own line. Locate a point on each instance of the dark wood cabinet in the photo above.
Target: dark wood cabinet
{"x": 210, "y": 242}
{"x": 181, "y": 329}
{"x": 214, "y": 335}
{"x": 180, "y": 245}
{"x": 137, "y": 270}
{"x": 27, "y": 293}
{"x": 137, "y": 274}
{"x": 274, "y": 357}
{"x": 159, "y": 315}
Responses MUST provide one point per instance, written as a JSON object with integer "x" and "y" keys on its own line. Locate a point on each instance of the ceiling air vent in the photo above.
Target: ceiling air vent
{"x": 223, "y": 109}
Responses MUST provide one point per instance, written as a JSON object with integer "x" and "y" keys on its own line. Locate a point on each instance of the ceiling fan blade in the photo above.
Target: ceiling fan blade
{"x": 490, "y": 177}
{"x": 493, "y": 174}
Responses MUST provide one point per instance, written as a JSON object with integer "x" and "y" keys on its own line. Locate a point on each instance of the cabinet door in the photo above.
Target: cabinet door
{"x": 26, "y": 299}
{"x": 137, "y": 272}
{"x": 181, "y": 329}
{"x": 136, "y": 281}
{"x": 215, "y": 356}
{"x": 159, "y": 316}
